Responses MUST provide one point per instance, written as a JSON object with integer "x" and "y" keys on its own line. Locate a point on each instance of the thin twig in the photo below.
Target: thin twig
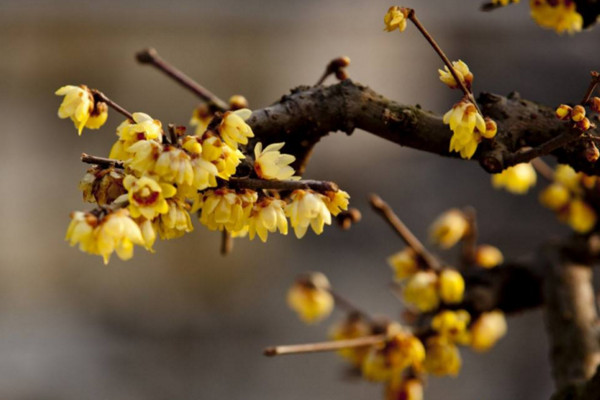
{"x": 545, "y": 148}
{"x": 413, "y": 17}
{"x": 347, "y": 305}
{"x": 543, "y": 169}
{"x": 590, "y": 90}
{"x": 335, "y": 66}
{"x": 257, "y": 184}
{"x": 101, "y": 161}
{"x": 150, "y": 56}
{"x": 102, "y": 97}
{"x": 409, "y": 238}
{"x": 324, "y": 346}
{"x": 226, "y": 243}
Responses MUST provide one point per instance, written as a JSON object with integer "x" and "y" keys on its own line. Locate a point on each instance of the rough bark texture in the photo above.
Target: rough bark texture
{"x": 303, "y": 117}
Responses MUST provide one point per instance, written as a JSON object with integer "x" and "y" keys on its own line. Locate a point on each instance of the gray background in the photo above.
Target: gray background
{"x": 185, "y": 323}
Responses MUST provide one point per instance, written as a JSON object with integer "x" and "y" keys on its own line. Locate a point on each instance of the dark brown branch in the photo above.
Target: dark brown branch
{"x": 571, "y": 319}
{"x": 593, "y": 83}
{"x": 151, "y": 57}
{"x": 99, "y": 96}
{"x": 258, "y": 184}
{"x": 302, "y": 118}
{"x": 409, "y": 238}
{"x": 101, "y": 161}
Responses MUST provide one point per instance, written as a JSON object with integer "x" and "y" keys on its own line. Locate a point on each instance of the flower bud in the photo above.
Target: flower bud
{"x": 487, "y": 330}
{"x": 404, "y": 263}
{"x": 578, "y": 113}
{"x": 490, "y": 128}
{"x": 237, "y": 102}
{"x": 487, "y": 256}
{"x": 310, "y": 297}
{"x": 448, "y": 228}
{"x": 421, "y": 291}
{"x": 563, "y": 112}
{"x": 452, "y": 286}
{"x": 595, "y": 104}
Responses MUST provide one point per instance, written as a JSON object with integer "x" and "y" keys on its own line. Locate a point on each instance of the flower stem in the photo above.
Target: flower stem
{"x": 99, "y": 96}
{"x": 383, "y": 209}
{"x": 150, "y": 56}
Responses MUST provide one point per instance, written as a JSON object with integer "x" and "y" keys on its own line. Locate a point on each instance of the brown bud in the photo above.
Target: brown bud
{"x": 578, "y": 113}
{"x": 563, "y": 112}
{"x": 584, "y": 124}
{"x": 595, "y": 104}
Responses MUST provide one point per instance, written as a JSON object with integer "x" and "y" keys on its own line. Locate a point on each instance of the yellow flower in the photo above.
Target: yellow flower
{"x": 79, "y": 105}
{"x": 487, "y": 330}
{"x": 175, "y": 222}
{"x": 566, "y": 175}
{"x": 452, "y": 286}
{"x": 143, "y": 127}
{"x": 406, "y": 389}
{"x": 174, "y": 165}
{"x": 271, "y": 164}
{"x": 310, "y": 297}
{"x": 307, "y": 208}
{"x": 148, "y": 233}
{"x": 452, "y": 325}
{"x": 143, "y": 156}
{"x": 81, "y": 231}
{"x": 234, "y": 129}
{"x": 117, "y": 232}
{"x": 466, "y": 124}
{"x": 192, "y": 145}
{"x": 404, "y": 263}
{"x": 205, "y": 173}
{"x": 421, "y": 291}
{"x": 395, "y": 18}
{"x": 224, "y": 157}
{"x": 201, "y": 117}
{"x": 147, "y": 197}
{"x": 560, "y": 15}
{"x": 516, "y": 179}
{"x": 442, "y": 357}
{"x": 226, "y": 209}
{"x": 555, "y": 197}
{"x": 581, "y": 217}
{"x": 462, "y": 70}
{"x": 448, "y": 228}
{"x": 351, "y": 327}
{"x": 267, "y": 216}
{"x": 336, "y": 202}
{"x": 487, "y": 256}
{"x": 391, "y": 358}
{"x": 491, "y": 128}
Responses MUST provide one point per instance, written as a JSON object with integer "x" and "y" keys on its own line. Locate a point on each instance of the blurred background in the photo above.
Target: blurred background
{"x": 186, "y": 323}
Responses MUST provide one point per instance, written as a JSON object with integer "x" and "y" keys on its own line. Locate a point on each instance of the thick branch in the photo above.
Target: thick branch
{"x": 571, "y": 320}
{"x": 303, "y": 117}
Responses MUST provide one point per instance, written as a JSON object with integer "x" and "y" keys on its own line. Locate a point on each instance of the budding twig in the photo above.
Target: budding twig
{"x": 102, "y": 97}
{"x": 409, "y": 238}
{"x": 101, "y": 161}
{"x": 545, "y": 148}
{"x": 150, "y": 56}
{"x": 412, "y": 16}
{"x": 335, "y": 66}
{"x": 324, "y": 346}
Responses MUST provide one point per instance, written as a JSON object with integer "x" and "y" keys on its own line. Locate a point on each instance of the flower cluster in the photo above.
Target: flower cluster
{"x": 576, "y": 115}
{"x": 567, "y": 195}
{"x": 560, "y": 15}
{"x": 158, "y": 179}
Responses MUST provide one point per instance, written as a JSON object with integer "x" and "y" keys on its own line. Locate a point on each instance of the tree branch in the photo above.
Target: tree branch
{"x": 303, "y": 117}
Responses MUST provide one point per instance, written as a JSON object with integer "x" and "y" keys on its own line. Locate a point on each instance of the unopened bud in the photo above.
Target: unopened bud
{"x": 595, "y": 104}
{"x": 237, "y": 102}
{"x": 578, "y": 113}
{"x": 490, "y": 128}
{"x": 584, "y": 124}
{"x": 563, "y": 112}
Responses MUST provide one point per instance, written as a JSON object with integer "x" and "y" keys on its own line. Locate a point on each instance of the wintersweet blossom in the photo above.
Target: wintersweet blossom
{"x": 404, "y": 389}
{"x": 147, "y": 197}
{"x": 337, "y": 201}
{"x": 560, "y": 15}
{"x": 310, "y": 298}
{"x": 81, "y": 231}
{"x": 223, "y": 156}
{"x": 467, "y": 124}
{"x": 395, "y": 18}
{"x": 233, "y": 128}
{"x": 442, "y": 357}
{"x": 421, "y": 291}
{"x": 269, "y": 163}
{"x": 174, "y": 165}
{"x": 78, "y": 104}
{"x": 143, "y": 155}
{"x": 451, "y": 286}
{"x": 351, "y": 327}
{"x": 463, "y": 72}
{"x": 399, "y": 352}
{"x": 449, "y": 228}
{"x": 267, "y": 215}
{"x": 117, "y": 232}
{"x": 487, "y": 330}
{"x": 404, "y": 263}
{"x": 227, "y": 209}
{"x": 176, "y": 221}
{"x": 487, "y": 256}
{"x": 307, "y": 208}
{"x": 452, "y": 325}
{"x": 517, "y": 179}
{"x": 143, "y": 127}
